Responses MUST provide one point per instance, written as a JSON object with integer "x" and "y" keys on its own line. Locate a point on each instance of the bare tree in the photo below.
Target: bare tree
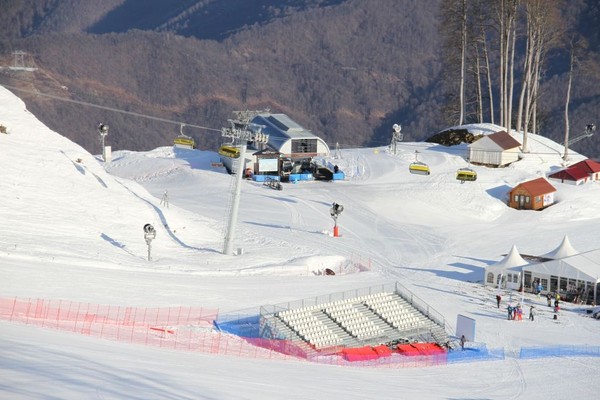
{"x": 544, "y": 26}
{"x": 463, "y": 49}
{"x": 453, "y": 30}
{"x": 506, "y": 14}
{"x": 483, "y": 42}
{"x": 480, "y": 62}
{"x": 576, "y": 45}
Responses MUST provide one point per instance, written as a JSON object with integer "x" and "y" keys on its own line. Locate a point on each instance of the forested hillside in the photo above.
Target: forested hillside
{"x": 346, "y": 69}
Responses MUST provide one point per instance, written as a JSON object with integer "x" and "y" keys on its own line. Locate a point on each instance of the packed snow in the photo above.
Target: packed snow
{"x": 72, "y": 230}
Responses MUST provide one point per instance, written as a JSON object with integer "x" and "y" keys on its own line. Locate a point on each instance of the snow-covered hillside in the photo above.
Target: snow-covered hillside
{"x": 72, "y": 230}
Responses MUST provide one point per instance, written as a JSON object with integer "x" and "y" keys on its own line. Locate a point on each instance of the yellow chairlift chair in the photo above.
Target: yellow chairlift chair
{"x": 418, "y": 167}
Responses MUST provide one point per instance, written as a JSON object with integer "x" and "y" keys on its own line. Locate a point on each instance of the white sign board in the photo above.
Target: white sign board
{"x": 268, "y": 165}
{"x": 465, "y": 326}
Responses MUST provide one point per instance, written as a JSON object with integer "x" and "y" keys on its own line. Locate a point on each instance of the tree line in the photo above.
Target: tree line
{"x": 497, "y": 54}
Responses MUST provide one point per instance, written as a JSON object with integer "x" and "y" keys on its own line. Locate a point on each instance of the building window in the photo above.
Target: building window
{"x": 304, "y": 146}
{"x": 526, "y": 199}
{"x": 553, "y": 283}
{"x": 490, "y": 277}
{"x": 516, "y": 198}
{"x": 563, "y": 284}
{"x": 538, "y": 199}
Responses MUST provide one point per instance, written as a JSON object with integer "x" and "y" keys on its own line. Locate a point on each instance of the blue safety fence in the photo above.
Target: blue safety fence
{"x": 247, "y": 327}
{"x": 559, "y": 351}
{"x": 475, "y": 352}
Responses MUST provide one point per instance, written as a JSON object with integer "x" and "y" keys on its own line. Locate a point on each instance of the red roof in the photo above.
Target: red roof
{"x": 504, "y": 140}
{"x": 588, "y": 166}
{"x": 537, "y": 187}
{"x": 570, "y": 174}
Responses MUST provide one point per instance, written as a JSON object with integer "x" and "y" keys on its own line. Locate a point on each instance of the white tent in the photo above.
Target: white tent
{"x": 563, "y": 250}
{"x": 568, "y": 274}
{"x": 507, "y": 271}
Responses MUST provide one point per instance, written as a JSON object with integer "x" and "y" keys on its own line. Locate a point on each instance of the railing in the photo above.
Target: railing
{"x": 420, "y": 305}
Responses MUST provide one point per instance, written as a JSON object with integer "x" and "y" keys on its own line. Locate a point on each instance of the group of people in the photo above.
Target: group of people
{"x": 516, "y": 313}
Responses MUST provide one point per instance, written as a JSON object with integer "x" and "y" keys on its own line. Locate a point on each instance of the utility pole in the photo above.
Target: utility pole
{"x": 243, "y": 131}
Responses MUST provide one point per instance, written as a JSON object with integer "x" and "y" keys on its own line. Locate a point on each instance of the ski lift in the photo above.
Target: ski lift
{"x": 466, "y": 174}
{"x": 418, "y": 167}
{"x": 184, "y": 140}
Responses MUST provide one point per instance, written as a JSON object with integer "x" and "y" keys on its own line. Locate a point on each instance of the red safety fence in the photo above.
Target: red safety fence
{"x": 192, "y": 329}
{"x": 178, "y": 328}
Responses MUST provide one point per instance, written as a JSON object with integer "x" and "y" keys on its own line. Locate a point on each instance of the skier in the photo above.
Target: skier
{"x": 531, "y": 313}
{"x": 498, "y": 298}
{"x": 463, "y": 339}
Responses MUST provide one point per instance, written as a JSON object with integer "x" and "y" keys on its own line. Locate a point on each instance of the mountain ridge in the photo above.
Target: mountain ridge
{"x": 343, "y": 69}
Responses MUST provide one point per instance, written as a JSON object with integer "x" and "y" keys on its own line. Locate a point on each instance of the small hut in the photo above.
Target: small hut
{"x": 532, "y": 195}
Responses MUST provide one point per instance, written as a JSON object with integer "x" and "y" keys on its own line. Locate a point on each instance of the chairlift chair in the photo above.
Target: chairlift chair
{"x": 418, "y": 167}
{"x": 466, "y": 174}
{"x": 229, "y": 150}
{"x": 184, "y": 140}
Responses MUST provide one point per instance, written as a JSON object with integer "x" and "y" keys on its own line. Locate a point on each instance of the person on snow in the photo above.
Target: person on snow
{"x": 531, "y": 313}
{"x": 463, "y": 339}
{"x": 498, "y": 298}
{"x": 510, "y": 312}
{"x": 549, "y": 298}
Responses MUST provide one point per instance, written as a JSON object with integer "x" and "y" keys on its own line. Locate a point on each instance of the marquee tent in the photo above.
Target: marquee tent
{"x": 507, "y": 271}
{"x": 563, "y": 250}
{"x": 579, "y": 273}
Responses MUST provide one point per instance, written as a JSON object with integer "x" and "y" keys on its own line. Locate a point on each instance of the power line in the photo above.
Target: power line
{"x": 85, "y": 103}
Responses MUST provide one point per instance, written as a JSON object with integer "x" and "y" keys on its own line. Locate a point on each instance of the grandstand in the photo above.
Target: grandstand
{"x": 387, "y": 315}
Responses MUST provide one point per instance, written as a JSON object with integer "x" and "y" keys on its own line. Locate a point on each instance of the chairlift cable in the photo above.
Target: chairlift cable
{"x": 85, "y": 103}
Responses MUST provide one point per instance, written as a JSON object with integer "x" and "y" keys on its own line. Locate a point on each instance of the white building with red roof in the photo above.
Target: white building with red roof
{"x": 497, "y": 149}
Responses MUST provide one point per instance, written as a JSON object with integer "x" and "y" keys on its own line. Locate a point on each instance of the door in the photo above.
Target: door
{"x": 522, "y": 200}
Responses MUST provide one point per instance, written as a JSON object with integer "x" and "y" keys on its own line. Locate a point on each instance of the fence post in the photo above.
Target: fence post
{"x": 76, "y": 315}
{"x": 58, "y": 313}
{"x": 27, "y": 312}
{"x": 12, "y": 313}
{"x": 119, "y": 322}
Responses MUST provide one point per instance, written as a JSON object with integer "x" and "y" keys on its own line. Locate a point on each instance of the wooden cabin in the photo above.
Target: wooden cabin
{"x": 532, "y": 195}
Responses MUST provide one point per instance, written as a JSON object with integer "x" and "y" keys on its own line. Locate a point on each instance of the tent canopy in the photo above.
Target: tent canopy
{"x": 583, "y": 266}
{"x": 512, "y": 261}
{"x": 563, "y": 250}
